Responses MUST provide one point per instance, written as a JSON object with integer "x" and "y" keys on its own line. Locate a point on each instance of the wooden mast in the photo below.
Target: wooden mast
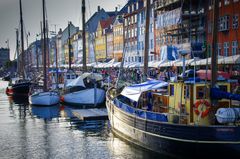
{"x": 214, "y": 63}
{"x": 69, "y": 47}
{"x": 17, "y": 51}
{"x": 84, "y": 36}
{"x": 44, "y": 49}
{"x": 146, "y": 37}
{"x": 22, "y": 41}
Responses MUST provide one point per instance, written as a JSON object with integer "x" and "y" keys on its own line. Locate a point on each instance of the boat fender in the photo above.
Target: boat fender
{"x": 204, "y": 104}
{"x": 62, "y": 98}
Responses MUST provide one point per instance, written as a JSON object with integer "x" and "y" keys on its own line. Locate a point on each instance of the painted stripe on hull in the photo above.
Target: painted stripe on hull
{"x": 165, "y": 144}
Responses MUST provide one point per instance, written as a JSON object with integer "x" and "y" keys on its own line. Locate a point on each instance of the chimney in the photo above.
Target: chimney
{"x": 99, "y": 8}
{"x": 116, "y": 10}
{"x": 60, "y": 31}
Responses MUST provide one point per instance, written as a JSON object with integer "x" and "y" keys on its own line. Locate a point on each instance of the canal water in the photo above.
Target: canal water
{"x": 52, "y": 132}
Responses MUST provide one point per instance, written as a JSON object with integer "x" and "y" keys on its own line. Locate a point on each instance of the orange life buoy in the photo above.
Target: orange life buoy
{"x": 206, "y": 111}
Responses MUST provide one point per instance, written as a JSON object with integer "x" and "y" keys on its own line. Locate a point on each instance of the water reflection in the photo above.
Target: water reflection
{"x": 18, "y": 100}
{"x": 54, "y": 132}
{"x": 20, "y": 104}
{"x": 46, "y": 113}
{"x": 89, "y": 125}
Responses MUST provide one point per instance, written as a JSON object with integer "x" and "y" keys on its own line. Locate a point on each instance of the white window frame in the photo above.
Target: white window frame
{"x": 226, "y": 2}
{"x": 235, "y": 21}
{"x": 226, "y": 48}
{"x": 224, "y": 23}
{"x": 219, "y": 49}
{"x": 234, "y": 47}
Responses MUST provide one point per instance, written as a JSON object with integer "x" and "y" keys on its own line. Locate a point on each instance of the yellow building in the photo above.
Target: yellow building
{"x": 100, "y": 43}
{"x": 118, "y": 41}
{"x": 104, "y": 28}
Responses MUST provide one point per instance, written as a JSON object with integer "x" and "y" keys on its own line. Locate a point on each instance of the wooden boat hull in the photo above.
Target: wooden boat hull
{"x": 44, "y": 98}
{"x": 85, "y": 97}
{"x": 21, "y": 88}
{"x": 183, "y": 141}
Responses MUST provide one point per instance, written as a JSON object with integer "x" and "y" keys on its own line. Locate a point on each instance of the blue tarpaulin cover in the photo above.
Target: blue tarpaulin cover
{"x": 216, "y": 93}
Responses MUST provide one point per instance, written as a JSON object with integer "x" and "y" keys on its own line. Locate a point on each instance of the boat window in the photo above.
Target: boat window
{"x": 171, "y": 90}
{"x": 68, "y": 76}
{"x": 186, "y": 91}
{"x": 223, "y": 88}
{"x": 201, "y": 92}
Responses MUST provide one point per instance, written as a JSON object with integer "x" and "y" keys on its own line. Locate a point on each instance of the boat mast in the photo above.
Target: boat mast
{"x": 56, "y": 56}
{"x": 44, "y": 49}
{"x": 214, "y": 64}
{"x": 146, "y": 38}
{"x": 83, "y": 36}
{"x": 17, "y": 51}
{"x": 22, "y": 40}
{"x": 69, "y": 47}
{"x": 37, "y": 54}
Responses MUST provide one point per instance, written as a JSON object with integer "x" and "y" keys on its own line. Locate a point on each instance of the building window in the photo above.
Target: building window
{"x": 186, "y": 92}
{"x": 226, "y": 2}
{"x": 171, "y": 90}
{"x": 235, "y": 21}
{"x": 224, "y": 23}
{"x": 142, "y": 17}
{"x": 210, "y": 4}
{"x": 219, "y": 49}
{"x": 234, "y": 47}
{"x": 226, "y": 48}
{"x": 235, "y": 0}
{"x": 151, "y": 28}
{"x": 201, "y": 92}
{"x": 151, "y": 43}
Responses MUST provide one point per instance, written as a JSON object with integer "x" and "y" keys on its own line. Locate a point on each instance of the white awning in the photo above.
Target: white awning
{"x": 79, "y": 81}
{"x": 221, "y": 60}
{"x": 235, "y": 59}
{"x": 187, "y": 62}
{"x": 134, "y": 92}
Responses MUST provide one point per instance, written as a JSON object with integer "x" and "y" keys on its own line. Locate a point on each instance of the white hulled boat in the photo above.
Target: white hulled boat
{"x": 44, "y": 97}
{"x": 85, "y": 90}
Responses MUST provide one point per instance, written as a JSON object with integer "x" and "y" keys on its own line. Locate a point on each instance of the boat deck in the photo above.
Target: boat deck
{"x": 91, "y": 114}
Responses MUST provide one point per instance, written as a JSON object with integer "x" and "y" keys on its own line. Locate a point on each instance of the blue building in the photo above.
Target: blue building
{"x": 141, "y": 23}
{"x": 131, "y": 31}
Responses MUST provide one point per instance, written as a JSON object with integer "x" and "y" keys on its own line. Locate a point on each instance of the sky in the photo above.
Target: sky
{"x": 59, "y": 12}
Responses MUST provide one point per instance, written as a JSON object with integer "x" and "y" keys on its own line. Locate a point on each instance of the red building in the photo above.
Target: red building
{"x": 228, "y": 27}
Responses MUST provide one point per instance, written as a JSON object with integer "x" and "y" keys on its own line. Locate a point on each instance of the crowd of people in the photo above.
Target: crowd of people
{"x": 135, "y": 75}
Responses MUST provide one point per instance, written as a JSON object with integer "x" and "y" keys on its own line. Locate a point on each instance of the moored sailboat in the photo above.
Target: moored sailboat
{"x": 21, "y": 86}
{"x": 183, "y": 120}
{"x": 44, "y": 97}
{"x": 85, "y": 90}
